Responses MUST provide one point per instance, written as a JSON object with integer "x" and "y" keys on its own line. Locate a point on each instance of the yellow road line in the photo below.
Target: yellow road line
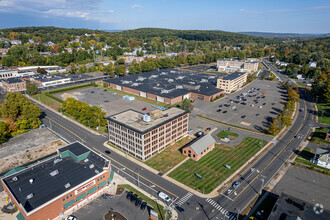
{"x": 273, "y": 158}
{"x": 136, "y": 173}
{"x": 66, "y": 129}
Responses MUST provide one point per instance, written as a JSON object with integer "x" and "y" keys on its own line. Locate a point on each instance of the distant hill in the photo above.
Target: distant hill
{"x": 284, "y": 35}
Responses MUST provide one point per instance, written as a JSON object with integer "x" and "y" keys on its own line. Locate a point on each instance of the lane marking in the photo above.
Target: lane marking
{"x": 272, "y": 159}
{"x": 66, "y": 129}
{"x": 135, "y": 172}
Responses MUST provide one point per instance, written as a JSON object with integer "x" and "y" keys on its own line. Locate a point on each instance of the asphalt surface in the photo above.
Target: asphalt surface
{"x": 224, "y": 206}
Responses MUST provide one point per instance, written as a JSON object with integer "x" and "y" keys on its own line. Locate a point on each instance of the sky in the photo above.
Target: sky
{"x": 280, "y": 16}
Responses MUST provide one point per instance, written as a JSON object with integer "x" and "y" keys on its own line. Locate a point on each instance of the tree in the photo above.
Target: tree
{"x": 41, "y": 70}
{"x": 73, "y": 68}
{"x": 120, "y": 70}
{"x": 249, "y": 78}
{"x": 186, "y": 104}
{"x": 105, "y": 84}
{"x": 121, "y": 61}
{"x": 274, "y": 127}
{"x": 32, "y": 89}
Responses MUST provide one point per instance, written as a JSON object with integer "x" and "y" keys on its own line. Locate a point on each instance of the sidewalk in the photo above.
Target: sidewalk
{"x": 58, "y": 113}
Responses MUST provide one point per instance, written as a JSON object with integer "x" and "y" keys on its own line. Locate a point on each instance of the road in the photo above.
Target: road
{"x": 224, "y": 206}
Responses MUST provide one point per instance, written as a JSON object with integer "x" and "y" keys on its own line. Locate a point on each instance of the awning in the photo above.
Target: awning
{"x": 20, "y": 216}
{"x": 102, "y": 184}
{"x": 90, "y": 191}
{"x": 68, "y": 204}
{"x": 111, "y": 176}
{"x": 81, "y": 196}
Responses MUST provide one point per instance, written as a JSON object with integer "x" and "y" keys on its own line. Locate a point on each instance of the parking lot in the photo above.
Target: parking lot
{"x": 252, "y": 107}
{"x": 111, "y": 103}
{"x": 96, "y": 209}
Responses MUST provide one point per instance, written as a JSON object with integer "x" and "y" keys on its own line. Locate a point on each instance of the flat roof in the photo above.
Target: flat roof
{"x": 233, "y": 75}
{"x": 169, "y": 83}
{"x": 12, "y": 80}
{"x": 134, "y": 119}
{"x": 73, "y": 168}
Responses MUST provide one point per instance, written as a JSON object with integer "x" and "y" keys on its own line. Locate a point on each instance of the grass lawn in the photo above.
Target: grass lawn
{"x": 212, "y": 166}
{"x": 224, "y": 133}
{"x": 319, "y": 136}
{"x": 157, "y": 207}
{"x": 47, "y": 100}
{"x": 169, "y": 157}
{"x": 325, "y": 116}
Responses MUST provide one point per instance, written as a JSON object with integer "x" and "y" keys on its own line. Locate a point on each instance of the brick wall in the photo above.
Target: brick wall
{"x": 130, "y": 90}
{"x": 188, "y": 150}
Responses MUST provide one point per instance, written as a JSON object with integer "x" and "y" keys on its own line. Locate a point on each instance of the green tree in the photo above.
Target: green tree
{"x": 274, "y": 127}
{"x": 32, "y": 89}
{"x": 120, "y": 70}
{"x": 41, "y": 70}
{"x": 186, "y": 104}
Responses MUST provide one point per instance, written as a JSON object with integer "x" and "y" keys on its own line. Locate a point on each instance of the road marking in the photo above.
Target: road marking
{"x": 185, "y": 198}
{"x": 272, "y": 159}
{"x": 66, "y": 129}
{"x": 216, "y": 205}
{"x": 136, "y": 173}
{"x": 227, "y": 197}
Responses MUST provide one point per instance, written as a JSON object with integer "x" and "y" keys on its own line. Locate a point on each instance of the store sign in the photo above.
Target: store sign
{"x": 84, "y": 187}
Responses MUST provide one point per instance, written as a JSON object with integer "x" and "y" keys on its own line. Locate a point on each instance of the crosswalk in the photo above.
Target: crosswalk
{"x": 228, "y": 215}
{"x": 185, "y": 198}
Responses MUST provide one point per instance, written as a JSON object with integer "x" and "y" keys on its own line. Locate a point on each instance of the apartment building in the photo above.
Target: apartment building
{"x": 229, "y": 66}
{"x": 144, "y": 135}
{"x": 232, "y": 82}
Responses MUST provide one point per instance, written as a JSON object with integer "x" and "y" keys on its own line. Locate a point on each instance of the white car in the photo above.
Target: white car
{"x": 164, "y": 196}
{"x": 260, "y": 106}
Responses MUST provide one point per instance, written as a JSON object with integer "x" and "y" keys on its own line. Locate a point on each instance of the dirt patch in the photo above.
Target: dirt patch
{"x": 119, "y": 191}
{"x": 70, "y": 95}
{"x": 28, "y": 147}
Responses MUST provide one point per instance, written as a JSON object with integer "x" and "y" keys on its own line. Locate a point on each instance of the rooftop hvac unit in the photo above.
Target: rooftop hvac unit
{"x": 86, "y": 160}
{"x": 172, "y": 71}
{"x": 179, "y": 87}
{"x": 67, "y": 185}
{"x": 135, "y": 84}
{"x": 163, "y": 73}
{"x": 146, "y": 118}
{"x": 31, "y": 181}
{"x": 91, "y": 166}
{"x": 125, "y": 82}
{"x": 30, "y": 196}
{"x": 15, "y": 178}
{"x": 54, "y": 173}
{"x": 203, "y": 80}
{"x": 170, "y": 80}
{"x": 164, "y": 91}
{"x": 97, "y": 172}
{"x": 57, "y": 160}
{"x": 153, "y": 76}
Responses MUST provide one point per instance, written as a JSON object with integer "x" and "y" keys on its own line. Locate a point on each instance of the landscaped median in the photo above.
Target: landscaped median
{"x": 212, "y": 167}
{"x": 224, "y": 133}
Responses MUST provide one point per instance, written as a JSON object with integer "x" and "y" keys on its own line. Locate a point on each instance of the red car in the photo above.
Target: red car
{"x": 144, "y": 109}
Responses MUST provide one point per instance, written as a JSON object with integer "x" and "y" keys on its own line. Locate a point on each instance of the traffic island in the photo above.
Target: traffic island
{"x": 111, "y": 215}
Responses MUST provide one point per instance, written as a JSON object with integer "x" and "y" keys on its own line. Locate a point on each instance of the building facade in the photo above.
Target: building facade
{"x": 5, "y": 74}
{"x": 230, "y": 66}
{"x": 232, "y": 82}
{"x": 13, "y": 84}
{"x": 144, "y": 135}
{"x": 55, "y": 186}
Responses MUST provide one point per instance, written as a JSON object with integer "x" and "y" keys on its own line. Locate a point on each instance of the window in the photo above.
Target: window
{"x": 98, "y": 179}
{"x": 67, "y": 197}
{"x": 63, "y": 199}
{"x": 70, "y": 195}
{"x": 194, "y": 155}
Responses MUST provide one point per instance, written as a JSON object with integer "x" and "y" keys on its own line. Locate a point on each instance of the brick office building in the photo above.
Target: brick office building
{"x": 52, "y": 187}
{"x": 144, "y": 135}
{"x": 13, "y": 84}
{"x": 199, "y": 147}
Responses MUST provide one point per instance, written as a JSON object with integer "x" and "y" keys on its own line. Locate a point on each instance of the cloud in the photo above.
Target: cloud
{"x": 136, "y": 6}
{"x": 314, "y": 8}
{"x": 242, "y": 9}
{"x": 86, "y": 10}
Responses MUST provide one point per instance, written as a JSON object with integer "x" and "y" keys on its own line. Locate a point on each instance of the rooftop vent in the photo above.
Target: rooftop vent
{"x": 204, "y": 80}
{"x": 135, "y": 84}
{"x": 125, "y": 82}
{"x": 15, "y": 178}
{"x": 91, "y": 166}
{"x": 86, "y": 160}
{"x": 54, "y": 173}
{"x": 180, "y": 77}
{"x": 31, "y": 181}
{"x": 67, "y": 185}
{"x": 163, "y": 73}
{"x": 192, "y": 83}
{"x": 179, "y": 87}
{"x": 30, "y": 196}
{"x": 153, "y": 76}
{"x": 97, "y": 172}
{"x": 146, "y": 118}
{"x": 57, "y": 160}
{"x": 164, "y": 91}
{"x": 170, "y": 80}
{"x": 172, "y": 71}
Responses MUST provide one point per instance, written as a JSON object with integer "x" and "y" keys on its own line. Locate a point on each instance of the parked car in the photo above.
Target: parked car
{"x": 257, "y": 114}
{"x": 106, "y": 196}
{"x": 207, "y": 129}
{"x": 252, "y": 105}
{"x": 144, "y": 109}
{"x": 236, "y": 184}
{"x": 260, "y": 106}
{"x": 235, "y": 110}
{"x": 219, "y": 110}
{"x": 198, "y": 134}
{"x": 107, "y": 152}
{"x": 129, "y": 195}
{"x": 179, "y": 208}
{"x": 233, "y": 106}
{"x": 190, "y": 130}
{"x": 220, "y": 106}
{"x": 138, "y": 202}
{"x": 264, "y": 103}
{"x": 143, "y": 206}
{"x": 243, "y": 116}
{"x": 164, "y": 196}
{"x": 224, "y": 112}
{"x": 71, "y": 217}
{"x": 134, "y": 197}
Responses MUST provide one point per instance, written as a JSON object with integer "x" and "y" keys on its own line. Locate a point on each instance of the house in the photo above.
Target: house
{"x": 199, "y": 147}
{"x": 312, "y": 64}
{"x": 16, "y": 42}
{"x": 322, "y": 157}
{"x": 3, "y": 51}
